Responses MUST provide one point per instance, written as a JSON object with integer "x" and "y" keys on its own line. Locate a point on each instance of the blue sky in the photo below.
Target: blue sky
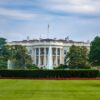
{"x": 78, "y": 19}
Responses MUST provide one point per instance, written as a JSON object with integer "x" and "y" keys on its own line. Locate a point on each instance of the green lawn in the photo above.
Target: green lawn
{"x": 49, "y": 90}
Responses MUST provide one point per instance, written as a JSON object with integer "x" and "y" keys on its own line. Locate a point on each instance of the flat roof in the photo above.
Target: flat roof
{"x": 48, "y": 40}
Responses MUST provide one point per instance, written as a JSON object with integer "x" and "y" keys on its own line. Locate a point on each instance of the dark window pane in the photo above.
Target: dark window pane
{"x": 37, "y": 60}
{"x": 54, "y": 51}
{"x": 37, "y": 51}
{"x": 58, "y": 51}
{"x": 47, "y": 50}
{"x": 41, "y": 51}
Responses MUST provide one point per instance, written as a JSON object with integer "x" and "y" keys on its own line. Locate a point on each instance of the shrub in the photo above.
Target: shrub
{"x": 61, "y": 66}
{"x": 32, "y": 66}
{"x": 49, "y": 73}
{"x": 3, "y": 64}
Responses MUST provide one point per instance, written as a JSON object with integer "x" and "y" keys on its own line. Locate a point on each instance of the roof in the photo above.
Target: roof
{"x": 48, "y": 40}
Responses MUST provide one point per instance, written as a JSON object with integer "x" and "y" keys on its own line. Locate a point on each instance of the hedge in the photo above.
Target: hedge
{"x": 98, "y": 74}
{"x": 49, "y": 73}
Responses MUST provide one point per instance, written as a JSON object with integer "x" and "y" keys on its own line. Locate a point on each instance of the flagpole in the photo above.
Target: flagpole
{"x": 48, "y": 31}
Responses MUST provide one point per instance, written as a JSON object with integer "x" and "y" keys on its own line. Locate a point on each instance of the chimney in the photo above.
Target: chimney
{"x": 67, "y": 38}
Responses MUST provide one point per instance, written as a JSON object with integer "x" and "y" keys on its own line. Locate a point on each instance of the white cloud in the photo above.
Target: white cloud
{"x": 73, "y": 6}
{"x": 65, "y": 6}
{"x": 18, "y": 14}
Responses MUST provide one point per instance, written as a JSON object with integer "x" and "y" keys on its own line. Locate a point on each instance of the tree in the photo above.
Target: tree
{"x": 77, "y": 57}
{"x": 2, "y": 42}
{"x": 3, "y": 53}
{"x": 19, "y": 57}
{"x": 94, "y": 56}
{"x": 17, "y": 54}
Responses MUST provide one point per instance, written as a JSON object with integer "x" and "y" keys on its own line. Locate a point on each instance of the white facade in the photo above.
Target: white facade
{"x": 48, "y": 53}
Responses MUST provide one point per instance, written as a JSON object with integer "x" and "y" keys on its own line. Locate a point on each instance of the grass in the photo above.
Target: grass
{"x": 49, "y": 89}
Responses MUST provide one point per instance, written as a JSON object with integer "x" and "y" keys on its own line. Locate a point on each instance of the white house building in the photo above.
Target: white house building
{"x": 48, "y": 53}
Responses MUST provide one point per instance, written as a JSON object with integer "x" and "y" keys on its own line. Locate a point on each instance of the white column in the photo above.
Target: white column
{"x": 60, "y": 56}
{"x": 39, "y": 58}
{"x": 34, "y": 55}
{"x": 50, "y": 65}
{"x": 56, "y": 58}
{"x": 45, "y": 57}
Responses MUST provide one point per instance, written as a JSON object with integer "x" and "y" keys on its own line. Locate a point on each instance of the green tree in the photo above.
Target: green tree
{"x": 77, "y": 57}
{"x": 2, "y": 42}
{"x": 3, "y": 53}
{"x": 19, "y": 57}
{"x": 94, "y": 56}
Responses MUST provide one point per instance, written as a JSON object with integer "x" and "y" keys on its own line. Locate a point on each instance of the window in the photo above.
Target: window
{"x": 37, "y": 60}
{"x": 42, "y": 60}
{"x": 58, "y": 51}
{"x": 54, "y": 51}
{"x": 58, "y": 60}
{"x": 65, "y": 51}
{"x": 41, "y": 51}
{"x": 30, "y": 51}
{"x": 47, "y": 50}
{"x": 37, "y": 51}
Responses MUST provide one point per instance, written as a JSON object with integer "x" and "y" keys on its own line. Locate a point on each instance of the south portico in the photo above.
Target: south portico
{"x": 47, "y": 56}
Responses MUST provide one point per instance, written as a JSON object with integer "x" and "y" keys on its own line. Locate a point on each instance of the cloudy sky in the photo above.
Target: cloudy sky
{"x": 78, "y": 19}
